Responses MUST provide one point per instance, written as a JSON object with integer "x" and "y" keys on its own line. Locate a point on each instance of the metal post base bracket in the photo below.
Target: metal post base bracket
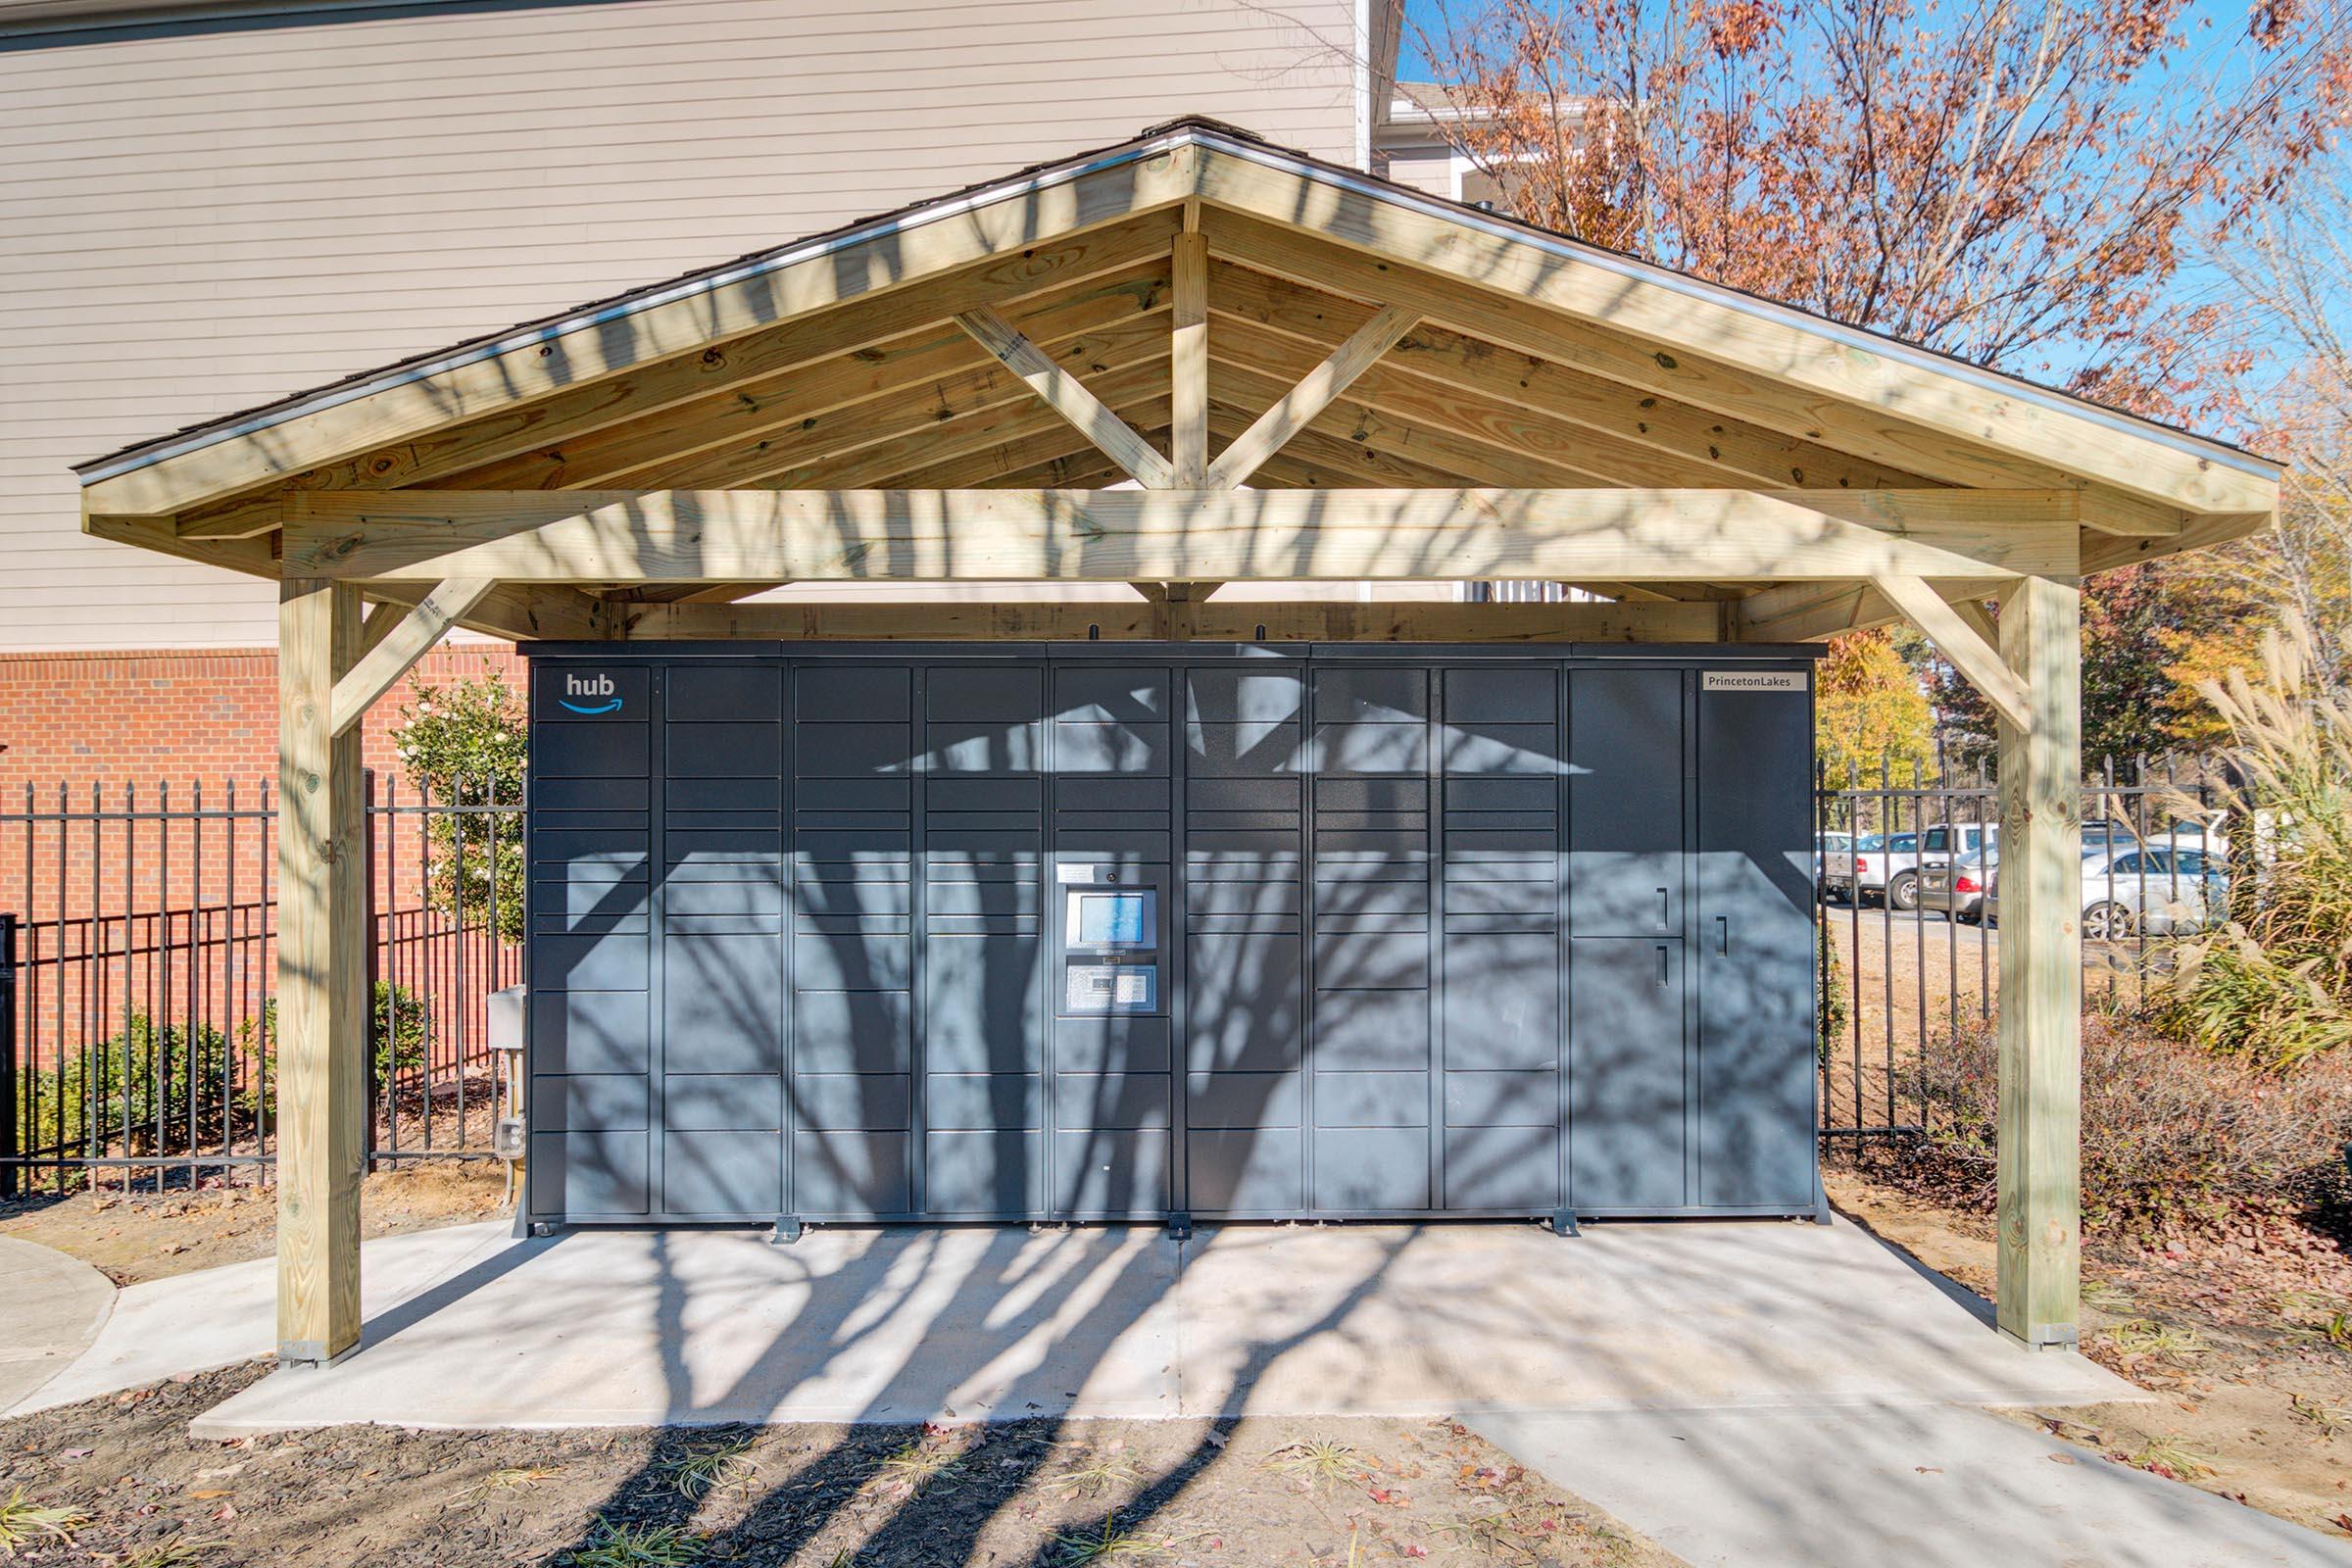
{"x": 789, "y": 1230}
{"x": 1180, "y": 1227}
{"x": 1563, "y": 1223}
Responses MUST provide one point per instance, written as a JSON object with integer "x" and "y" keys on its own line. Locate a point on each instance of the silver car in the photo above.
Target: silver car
{"x": 2157, "y": 890}
{"x": 2125, "y": 892}
{"x": 1961, "y": 888}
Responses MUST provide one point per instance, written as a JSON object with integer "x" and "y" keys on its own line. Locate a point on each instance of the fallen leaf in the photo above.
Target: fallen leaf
{"x": 1937, "y": 1469}
{"x": 2063, "y": 1458}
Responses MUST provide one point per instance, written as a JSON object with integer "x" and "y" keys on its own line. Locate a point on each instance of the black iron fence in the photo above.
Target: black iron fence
{"x": 1906, "y": 872}
{"x": 139, "y": 1031}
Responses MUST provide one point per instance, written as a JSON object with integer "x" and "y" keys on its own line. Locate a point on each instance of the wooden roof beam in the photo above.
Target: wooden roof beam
{"x": 1134, "y": 535}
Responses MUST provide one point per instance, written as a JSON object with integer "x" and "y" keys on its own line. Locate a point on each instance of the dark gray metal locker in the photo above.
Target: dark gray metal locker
{"x": 1096, "y": 933}
{"x": 1756, "y": 1144}
{"x": 591, "y": 976}
{"x": 851, "y": 1081}
{"x": 1627, "y": 868}
{"x": 982, "y": 1023}
{"x": 1244, "y": 841}
{"x": 722, "y": 907}
{"x": 1369, "y": 1044}
{"x": 1501, "y": 762}
{"x": 1112, "y": 1107}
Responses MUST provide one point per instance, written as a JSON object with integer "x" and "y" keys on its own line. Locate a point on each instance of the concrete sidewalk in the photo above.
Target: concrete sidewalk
{"x": 1863, "y": 1486}
{"x": 219, "y": 1316}
{"x": 51, "y": 1308}
{"x": 702, "y": 1327}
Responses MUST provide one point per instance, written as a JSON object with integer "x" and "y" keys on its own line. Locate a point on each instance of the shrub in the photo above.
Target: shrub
{"x": 2274, "y": 982}
{"x": 146, "y": 1090}
{"x": 465, "y": 745}
{"x": 402, "y": 1027}
{"x": 2170, "y": 1132}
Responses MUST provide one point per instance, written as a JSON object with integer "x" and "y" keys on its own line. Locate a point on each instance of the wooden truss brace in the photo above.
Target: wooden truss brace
{"x": 1968, "y": 652}
{"x": 1187, "y": 381}
{"x": 396, "y": 649}
{"x": 1068, "y": 396}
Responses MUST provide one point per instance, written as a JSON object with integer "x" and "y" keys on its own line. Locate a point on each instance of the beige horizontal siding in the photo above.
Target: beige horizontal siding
{"x": 198, "y": 218}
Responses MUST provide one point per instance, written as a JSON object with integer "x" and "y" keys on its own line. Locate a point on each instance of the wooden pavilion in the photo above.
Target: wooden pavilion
{"x": 1292, "y": 373}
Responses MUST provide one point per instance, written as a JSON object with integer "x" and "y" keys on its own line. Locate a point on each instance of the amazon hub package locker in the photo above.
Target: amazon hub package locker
{"x": 830, "y": 932}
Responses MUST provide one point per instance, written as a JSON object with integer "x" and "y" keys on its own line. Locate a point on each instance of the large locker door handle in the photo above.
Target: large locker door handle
{"x": 1665, "y": 967}
{"x": 1665, "y": 910}
{"x": 1723, "y": 934}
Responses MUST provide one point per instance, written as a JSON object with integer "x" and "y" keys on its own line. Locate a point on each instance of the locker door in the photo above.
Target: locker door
{"x": 1627, "y": 1074}
{"x": 1500, "y": 765}
{"x": 1757, "y": 1141}
{"x": 1368, "y": 1083}
{"x": 1625, "y": 794}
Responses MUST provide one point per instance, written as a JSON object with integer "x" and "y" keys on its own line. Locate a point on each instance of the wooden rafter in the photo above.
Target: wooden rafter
{"x": 816, "y": 406}
{"x": 1481, "y": 385}
{"x": 1879, "y": 405}
{"x": 1012, "y": 227}
{"x": 1136, "y": 535}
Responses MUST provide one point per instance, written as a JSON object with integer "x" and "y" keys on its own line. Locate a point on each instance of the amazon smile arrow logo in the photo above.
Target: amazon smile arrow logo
{"x": 591, "y": 688}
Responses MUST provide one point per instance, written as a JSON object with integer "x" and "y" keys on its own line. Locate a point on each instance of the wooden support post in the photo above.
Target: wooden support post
{"x": 1188, "y": 367}
{"x": 2041, "y": 969}
{"x": 321, "y": 978}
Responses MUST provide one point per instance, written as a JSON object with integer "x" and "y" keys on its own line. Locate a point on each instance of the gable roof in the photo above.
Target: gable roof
{"x": 1635, "y": 350}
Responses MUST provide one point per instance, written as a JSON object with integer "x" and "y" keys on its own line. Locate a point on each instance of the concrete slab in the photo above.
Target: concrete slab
{"x": 51, "y": 1308}
{"x": 701, "y": 1327}
{"x": 219, "y": 1316}
{"x": 1925, "y": 1486}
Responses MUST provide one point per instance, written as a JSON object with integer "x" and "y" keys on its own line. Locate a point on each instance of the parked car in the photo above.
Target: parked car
{"x": 1888, "y": 865}
{"x": 2156, "y": 890}
{"x": 1826, "y": 845}
{"x": 1960, "y": 888}
{"x": 2162, "y": 892}
{"x": 1861, "y": 873}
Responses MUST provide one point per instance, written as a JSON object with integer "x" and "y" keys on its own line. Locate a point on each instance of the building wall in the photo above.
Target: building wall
{"x": 200, "y": 215}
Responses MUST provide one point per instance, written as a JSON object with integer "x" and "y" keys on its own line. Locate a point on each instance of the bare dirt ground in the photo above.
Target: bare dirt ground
{"x": 2245, "y": 1336}
{"x": 1250, "y": 1494}
{"x": 135, "y": 1236}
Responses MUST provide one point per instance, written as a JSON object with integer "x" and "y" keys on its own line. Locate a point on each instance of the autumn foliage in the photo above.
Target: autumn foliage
{"x": 2016, "y": 184}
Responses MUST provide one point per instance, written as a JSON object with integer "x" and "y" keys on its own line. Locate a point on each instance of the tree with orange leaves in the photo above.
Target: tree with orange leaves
{"x": 2015, "y": 184}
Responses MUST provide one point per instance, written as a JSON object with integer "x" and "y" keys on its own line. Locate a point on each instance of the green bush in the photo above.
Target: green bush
{"x": 125, "y": 1083}
{"x": 465, "y": 745}
{"x": 2170, "y": 1132}
{"x": 126, "y": 1089}
{"x": 402, "y": 1029}
{"x": 1837, "y": 1004}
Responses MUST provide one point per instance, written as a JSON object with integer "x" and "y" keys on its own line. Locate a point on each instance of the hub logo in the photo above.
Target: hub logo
{"x": 582, "y": 694}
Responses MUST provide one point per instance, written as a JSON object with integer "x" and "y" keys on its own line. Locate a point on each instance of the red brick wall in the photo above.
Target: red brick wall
{"x": 146, "y": 720}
